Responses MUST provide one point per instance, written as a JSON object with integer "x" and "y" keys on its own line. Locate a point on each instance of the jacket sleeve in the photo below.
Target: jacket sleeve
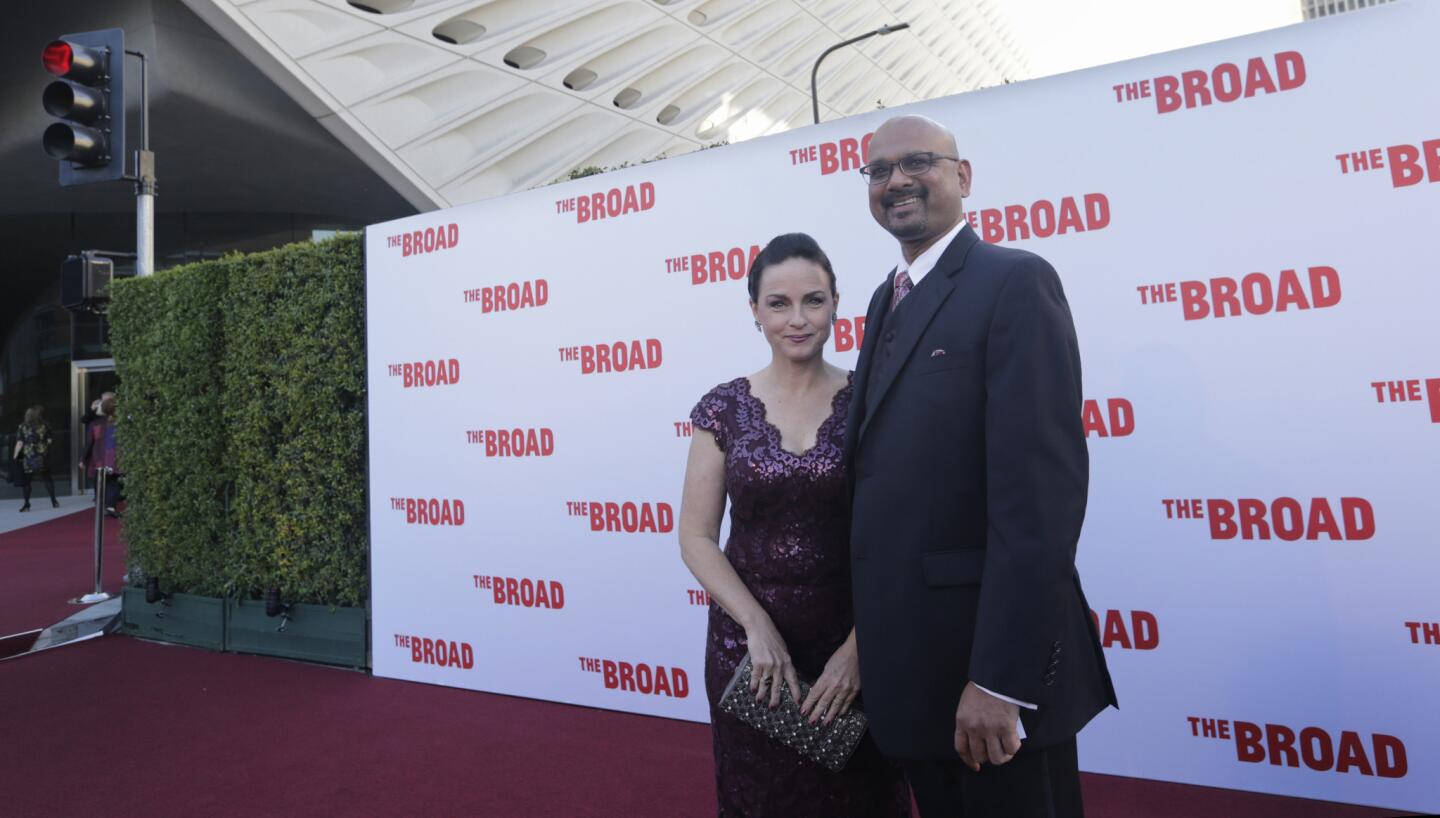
{"x": 1037, "y": 475}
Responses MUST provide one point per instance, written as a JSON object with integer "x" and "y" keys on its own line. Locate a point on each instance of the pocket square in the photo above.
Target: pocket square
{"x": 937, "y": 353}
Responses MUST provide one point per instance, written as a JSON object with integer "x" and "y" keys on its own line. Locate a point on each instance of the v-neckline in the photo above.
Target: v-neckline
{"x": 819, "y": 430}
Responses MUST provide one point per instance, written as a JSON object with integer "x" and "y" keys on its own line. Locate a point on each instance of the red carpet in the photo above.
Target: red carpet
{"x": 42, "y": 566}
{"x": 122, "y": 727}
{"x": 117, "y": 726}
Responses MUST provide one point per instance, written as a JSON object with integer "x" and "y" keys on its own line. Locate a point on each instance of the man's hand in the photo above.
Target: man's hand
{"x": 985, "y": 728}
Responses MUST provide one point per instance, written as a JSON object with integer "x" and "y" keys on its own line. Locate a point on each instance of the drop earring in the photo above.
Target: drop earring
{"x": 757, "y": 326}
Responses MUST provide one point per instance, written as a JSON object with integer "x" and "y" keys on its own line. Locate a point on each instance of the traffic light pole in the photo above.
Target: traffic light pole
{"x": 145, "y": 184}
{"x": 145, "y": 214}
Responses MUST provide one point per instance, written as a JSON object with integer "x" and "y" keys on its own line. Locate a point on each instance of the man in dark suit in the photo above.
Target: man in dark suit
{"x": 979, "y": 660}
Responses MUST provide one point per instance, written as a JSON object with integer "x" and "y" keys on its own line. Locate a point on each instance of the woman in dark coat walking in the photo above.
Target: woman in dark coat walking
{"x": 32, "y": 444}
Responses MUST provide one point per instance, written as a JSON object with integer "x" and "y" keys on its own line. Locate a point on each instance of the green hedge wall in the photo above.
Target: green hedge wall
{"x": 166, "y": 339}
{"x": 285, "y": 381}
{"x": 294, "y": 385}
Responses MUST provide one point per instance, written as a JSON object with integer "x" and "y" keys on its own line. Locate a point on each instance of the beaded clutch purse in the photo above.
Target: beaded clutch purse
{"x": 830, "y": 745}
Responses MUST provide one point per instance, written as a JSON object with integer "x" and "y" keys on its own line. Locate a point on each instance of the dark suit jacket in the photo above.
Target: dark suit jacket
{"x": 969, "y": 472}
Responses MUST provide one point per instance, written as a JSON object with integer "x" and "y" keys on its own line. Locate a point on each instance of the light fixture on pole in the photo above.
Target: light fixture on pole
{"x": 815, "y": 72}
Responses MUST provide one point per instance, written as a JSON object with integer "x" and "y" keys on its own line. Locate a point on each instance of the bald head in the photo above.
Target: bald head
{"x": 917, "y": 129}
{"x": 920, "y": 209}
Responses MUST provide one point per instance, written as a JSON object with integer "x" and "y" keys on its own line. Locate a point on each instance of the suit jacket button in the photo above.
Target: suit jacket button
{"x": 889, "y": 337}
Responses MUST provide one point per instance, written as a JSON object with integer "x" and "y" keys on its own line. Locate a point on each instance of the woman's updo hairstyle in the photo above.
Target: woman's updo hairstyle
{"x": 783, "y": 248}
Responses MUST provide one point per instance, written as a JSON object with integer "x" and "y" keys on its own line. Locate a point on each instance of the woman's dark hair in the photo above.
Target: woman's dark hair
{"x": 783, "y": 248}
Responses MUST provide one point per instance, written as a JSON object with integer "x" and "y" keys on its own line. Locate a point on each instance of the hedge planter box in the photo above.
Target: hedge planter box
{"x": 198, "y": 621}
{"x": 313, "y": 633}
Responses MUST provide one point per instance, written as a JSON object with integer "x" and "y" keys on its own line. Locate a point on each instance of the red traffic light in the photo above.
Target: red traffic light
{"x": 88, "y": 98}
{"x": 58, "y": 58}
{"x": 77, "y": 61}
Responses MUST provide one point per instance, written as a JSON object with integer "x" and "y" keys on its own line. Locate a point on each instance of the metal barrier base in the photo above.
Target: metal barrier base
{"x": 17, "y": 643}
{"x": 97, "y": 620}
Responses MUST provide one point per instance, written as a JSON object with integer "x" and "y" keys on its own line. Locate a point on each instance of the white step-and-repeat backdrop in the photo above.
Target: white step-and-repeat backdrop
{"x": 1247, "y": 232}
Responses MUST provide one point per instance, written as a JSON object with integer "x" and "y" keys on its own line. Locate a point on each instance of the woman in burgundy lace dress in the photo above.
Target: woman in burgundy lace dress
{"x": 773, "y": 442}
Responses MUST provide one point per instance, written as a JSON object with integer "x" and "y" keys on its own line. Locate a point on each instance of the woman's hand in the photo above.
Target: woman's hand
{"x": 836, "y": 689}
{"x": 769, "y": 663}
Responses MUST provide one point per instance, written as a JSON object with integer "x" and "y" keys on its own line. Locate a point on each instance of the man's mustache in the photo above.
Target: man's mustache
{"x": 888, "y": 199}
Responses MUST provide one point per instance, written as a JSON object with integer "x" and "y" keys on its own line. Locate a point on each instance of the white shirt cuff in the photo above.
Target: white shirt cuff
{"x": 1026, "y": 705}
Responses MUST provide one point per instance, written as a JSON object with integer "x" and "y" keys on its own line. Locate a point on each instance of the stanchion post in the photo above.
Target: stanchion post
{"x": 99, "y": 521}
{"x": 101, "y": 475}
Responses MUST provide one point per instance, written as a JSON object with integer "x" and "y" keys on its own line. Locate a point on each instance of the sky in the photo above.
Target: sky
{"x": 1066, "y": 35}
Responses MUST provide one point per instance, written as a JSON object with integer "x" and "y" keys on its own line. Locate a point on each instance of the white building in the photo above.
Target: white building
{"x": 1324, "y": 8}
{"x": 452, "y": 101}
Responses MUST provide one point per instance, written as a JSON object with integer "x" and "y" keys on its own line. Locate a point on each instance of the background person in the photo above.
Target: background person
{"x": 94, "y": 411}
{"x": 970, "y": 484}
{"x": 32, "y": 445}
{"x": 781, "y": 588}
{"x": 91, "y": 416}
{"x": 100, "y": 452}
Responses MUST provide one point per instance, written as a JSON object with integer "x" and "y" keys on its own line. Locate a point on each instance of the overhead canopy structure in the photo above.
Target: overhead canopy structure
{"x": 453, "y": 101}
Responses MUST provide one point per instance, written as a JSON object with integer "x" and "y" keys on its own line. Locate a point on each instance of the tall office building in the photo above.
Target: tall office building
{"x": 1324, "y": 8}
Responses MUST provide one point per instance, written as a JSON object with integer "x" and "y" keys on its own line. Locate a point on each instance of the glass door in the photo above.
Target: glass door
{"x": 89, "y": 379}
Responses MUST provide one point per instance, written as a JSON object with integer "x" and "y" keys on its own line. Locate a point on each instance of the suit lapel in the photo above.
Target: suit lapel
{"x": 925, "y": 301}
{"x": 874, "y": 324}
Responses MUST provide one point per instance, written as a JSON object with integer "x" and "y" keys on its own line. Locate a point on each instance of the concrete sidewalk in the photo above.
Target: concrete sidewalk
{"x": 12, "y": 519}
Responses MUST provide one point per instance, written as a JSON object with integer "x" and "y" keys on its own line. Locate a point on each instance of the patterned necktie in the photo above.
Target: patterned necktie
{"x": 902, "y": 288}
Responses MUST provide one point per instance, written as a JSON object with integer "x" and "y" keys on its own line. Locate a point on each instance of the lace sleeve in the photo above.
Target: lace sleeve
{"x": 709, "y": 414}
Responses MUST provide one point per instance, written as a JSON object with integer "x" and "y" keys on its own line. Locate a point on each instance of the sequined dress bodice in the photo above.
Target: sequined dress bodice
{"x": 788, "y": 518}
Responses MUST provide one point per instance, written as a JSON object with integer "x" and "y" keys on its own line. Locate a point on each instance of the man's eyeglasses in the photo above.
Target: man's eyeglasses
{"x": 878, "y": 173}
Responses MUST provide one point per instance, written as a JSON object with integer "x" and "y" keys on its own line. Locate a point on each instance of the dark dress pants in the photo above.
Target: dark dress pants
{"x": 1034, "y": 784}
